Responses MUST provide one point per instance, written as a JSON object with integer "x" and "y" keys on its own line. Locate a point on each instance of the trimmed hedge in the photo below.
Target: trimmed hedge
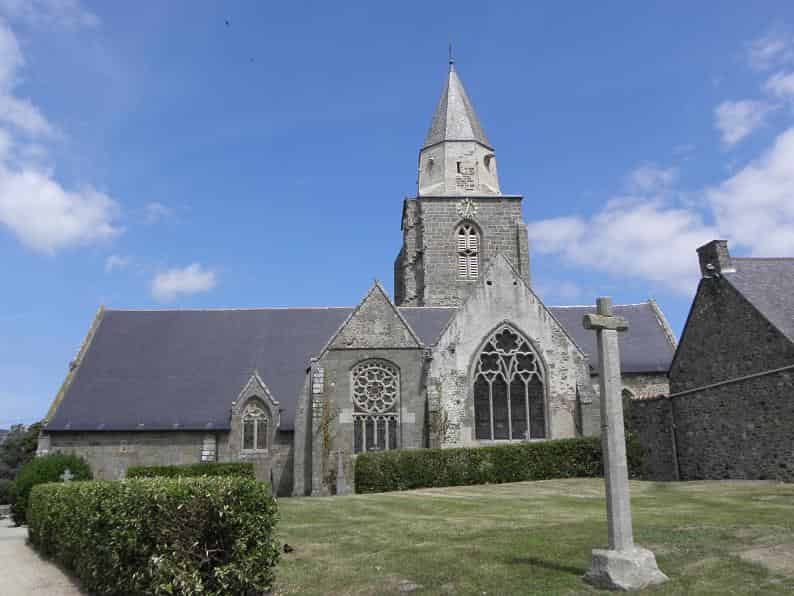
{"x": 235, "y": 469}
{"x": 39, "y": 470}
{"x": 159, "y": 535}
{"x": 421, "y": 468}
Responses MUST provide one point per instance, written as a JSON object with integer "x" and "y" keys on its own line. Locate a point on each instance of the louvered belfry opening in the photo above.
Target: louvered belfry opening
{"x": 468, "y": 239}
{"x": 376, "y": 401}
{"x": 509, "y": 389}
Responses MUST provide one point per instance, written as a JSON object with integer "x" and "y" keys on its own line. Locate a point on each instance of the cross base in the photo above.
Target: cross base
{"x": 627, "y": 570}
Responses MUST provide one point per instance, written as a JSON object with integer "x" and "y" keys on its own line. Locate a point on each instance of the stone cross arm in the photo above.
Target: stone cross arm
{"x": 603, "y": 319}
{"x": 597, "y": 322}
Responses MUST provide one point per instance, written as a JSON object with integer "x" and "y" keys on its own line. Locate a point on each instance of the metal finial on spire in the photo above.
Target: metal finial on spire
{"x": 451, "y": 58}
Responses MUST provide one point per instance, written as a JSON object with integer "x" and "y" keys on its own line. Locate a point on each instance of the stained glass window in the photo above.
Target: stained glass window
{"x": 376, "y": 395}
{"x": 509, "y": 389}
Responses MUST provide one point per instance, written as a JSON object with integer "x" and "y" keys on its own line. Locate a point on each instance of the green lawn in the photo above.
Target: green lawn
{"x": 535, "y": 538}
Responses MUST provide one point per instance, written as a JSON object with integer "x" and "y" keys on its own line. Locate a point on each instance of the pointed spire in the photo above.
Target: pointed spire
{"x": 454, "y": 118}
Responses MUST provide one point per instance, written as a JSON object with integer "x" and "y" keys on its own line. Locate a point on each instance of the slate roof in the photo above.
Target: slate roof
{"x": 181, "y": 369}
{"x": 454, "y": 118}
{"x": 644, "y": 348}
{"x": 200, "y": 360}
{"x": 768, "y": 284}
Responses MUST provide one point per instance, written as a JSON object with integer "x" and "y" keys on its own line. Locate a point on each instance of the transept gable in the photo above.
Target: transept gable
{"x": 501, "y": 295}
{"x": 374, "y": 323}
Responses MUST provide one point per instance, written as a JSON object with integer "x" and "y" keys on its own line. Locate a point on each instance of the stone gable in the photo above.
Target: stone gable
{"x": 375, "y": 323}
{"x": 725, "y": 337}
{"x": 502, "y": 296}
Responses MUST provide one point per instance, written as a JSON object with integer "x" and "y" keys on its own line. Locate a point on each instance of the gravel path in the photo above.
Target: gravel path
{"x": 23, "y": 572}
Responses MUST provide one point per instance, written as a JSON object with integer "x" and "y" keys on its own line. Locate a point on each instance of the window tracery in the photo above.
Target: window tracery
{"x": 375, "y": 394}
{"x": 509, "y": 390}
{"x": 255, "y": 427}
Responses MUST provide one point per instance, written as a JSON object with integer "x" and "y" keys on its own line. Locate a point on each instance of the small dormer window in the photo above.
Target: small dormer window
{"x": 255, "y": 427}
{"x": 468, "y": 245}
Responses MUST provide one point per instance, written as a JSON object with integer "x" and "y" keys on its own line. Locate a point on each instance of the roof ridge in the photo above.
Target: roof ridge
{"x": 429, "y": 307}
{"x": 763, "y": 258}
{"x": 222, "y": 308}
{"x": 643, "y": 303}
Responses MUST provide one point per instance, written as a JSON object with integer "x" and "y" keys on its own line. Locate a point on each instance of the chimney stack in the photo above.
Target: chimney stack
{"x": 715, "y": 259}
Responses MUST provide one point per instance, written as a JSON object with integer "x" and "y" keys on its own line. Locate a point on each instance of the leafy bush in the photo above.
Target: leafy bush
{"x": 18, "y": 449}
{"x": 159, "y": 535}
{"x": 48, "y": 468}
{"x": 236, "y": 469}
{"x": 6, "y": 491}
{"x": 418, "y": 468}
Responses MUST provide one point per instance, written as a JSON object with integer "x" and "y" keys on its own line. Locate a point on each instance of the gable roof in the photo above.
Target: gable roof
{"x": 200, "y": 360}
{"x": 645, "y": 348}
{"x": 768, "y": 284}
{"x": 182, "y": 369}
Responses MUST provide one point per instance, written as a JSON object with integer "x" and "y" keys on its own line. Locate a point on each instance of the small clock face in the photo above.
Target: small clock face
{"x": 467, "y": 208}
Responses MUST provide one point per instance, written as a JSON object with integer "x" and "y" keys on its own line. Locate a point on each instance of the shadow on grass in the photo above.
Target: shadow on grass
{"x": 551, "y": 565}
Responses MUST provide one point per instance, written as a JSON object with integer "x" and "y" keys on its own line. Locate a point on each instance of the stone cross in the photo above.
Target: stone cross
{"x": 341, "y": 484}
{"x": 67, "y": 475}
{"x": 624, "y": 566}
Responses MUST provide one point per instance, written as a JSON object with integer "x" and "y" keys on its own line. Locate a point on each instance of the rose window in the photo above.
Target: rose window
{"x": 375, "y": 387}
{"x": 375, "y": 393}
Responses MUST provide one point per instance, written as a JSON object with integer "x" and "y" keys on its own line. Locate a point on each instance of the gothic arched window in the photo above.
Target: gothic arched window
{"x": 509, "y": 390}
{"x": 255, "y": 426}
{"x": 468, "y": 243}
{"x": 376, "y": 403}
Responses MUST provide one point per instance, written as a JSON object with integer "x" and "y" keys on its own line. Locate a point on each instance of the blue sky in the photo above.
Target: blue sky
{"x": 153, "y": 156}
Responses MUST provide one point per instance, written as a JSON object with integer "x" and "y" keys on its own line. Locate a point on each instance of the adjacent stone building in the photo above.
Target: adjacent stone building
{"x": 731, "y": 404}
{"x": 466, "y": 353}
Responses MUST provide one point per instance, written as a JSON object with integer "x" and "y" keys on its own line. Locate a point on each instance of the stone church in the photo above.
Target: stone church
{"x": 465, "y": 354}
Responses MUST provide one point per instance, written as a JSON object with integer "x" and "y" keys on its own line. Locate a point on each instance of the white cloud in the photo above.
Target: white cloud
{"x": 781, "y": 85}
{"x": 66, "y": 14}
{"x": 37, "y": 209}
{"x": 167, "y": 286}
{"x": 737, "y": 119}
{"x": 19, "y": 112}
{"x": 776, "y": 47}
{"x": 114, "y": 262}
{"x": 156, "y": 212}
{"x": 755, "y": 207}
{"x": 646, "y": 239}
{"x": 46, "y": 217}
{"x": 558, "y": 290}
{"x": 650, "y": 177}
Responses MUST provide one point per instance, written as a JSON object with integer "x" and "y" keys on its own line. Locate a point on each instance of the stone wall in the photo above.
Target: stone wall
{"x": 501, "y": 296}
{"x": 651, "y": 421}
{"x": 725, "y": 337}
{"x": 426, "y": 272}
{"x": 738, "y": 430}
{"x": 640, "y": 385}
{"x": 110, "y": 453}
{"x": 337, "y": 366}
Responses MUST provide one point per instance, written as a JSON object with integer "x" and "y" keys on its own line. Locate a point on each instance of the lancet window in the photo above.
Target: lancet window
{"x": 255, "y": 427}
{"x": 509, "y": 389}
{"x": 468, "y": 243}
{"x": 376, "y": 402}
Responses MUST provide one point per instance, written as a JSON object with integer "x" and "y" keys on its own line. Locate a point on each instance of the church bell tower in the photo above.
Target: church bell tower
{"x": 459, "y": 218}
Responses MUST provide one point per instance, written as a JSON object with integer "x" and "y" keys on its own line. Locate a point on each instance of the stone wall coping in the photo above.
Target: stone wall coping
{"x": 730, "y": 381}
